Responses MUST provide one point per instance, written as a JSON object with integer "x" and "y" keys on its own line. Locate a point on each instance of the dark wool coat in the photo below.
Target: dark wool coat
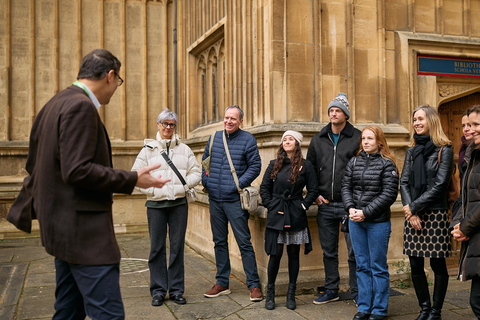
{"x": 438, "y": 178}
{"x": 469, "y": 216}
{"x": 370, "y": 184}
{"x": 284, "y": 200}
{"x": 246, "y": 160}
{"x": 71, "y": 181}
{"x": 330, "y": 161}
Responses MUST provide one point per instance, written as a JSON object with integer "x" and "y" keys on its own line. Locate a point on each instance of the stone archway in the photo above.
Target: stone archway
{"x": 451, "y": 114}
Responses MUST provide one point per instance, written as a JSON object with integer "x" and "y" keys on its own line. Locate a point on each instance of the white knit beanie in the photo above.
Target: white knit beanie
{"x": 297, "y": 135}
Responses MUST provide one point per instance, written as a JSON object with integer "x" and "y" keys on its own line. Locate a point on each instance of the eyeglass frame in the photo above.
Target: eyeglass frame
{"x": 120, "y": 80}
{"x": 168, "y": 125}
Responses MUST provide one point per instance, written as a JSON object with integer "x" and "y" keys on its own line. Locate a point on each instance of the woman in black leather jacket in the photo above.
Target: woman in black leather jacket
{"x": 423, "y": 185}
{"x": 282, "y": 194}
{"x": 369, "y": 188}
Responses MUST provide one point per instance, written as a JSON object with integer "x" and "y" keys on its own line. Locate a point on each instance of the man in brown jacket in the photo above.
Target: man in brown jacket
{"x": 69, "y": 190}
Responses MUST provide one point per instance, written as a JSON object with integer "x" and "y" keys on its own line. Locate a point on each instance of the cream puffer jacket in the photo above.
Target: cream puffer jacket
{"x": 183, "y": 158}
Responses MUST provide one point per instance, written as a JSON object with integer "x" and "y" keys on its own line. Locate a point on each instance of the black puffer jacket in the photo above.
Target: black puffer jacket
{"x": 284, "y": 200}
{"x": 469, "y": 216}
{"x": 370, "y": 184}
{"x": 438, "y": 177}
{"x": 330, "y": 160}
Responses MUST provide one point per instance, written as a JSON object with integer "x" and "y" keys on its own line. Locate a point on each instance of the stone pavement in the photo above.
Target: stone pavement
{"x": 27, "y": 288}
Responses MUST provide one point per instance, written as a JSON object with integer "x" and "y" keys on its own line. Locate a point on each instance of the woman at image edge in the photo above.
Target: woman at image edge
{"x": 423, "y": 185}
{"x": 282, "y": 194}
{"x": 369, "y": 188}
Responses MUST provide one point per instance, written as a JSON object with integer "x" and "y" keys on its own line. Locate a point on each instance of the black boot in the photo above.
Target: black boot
{"x": 421, "y": 290}
{"x": 270, "y": 300}
{"x": 291, "y": 304}
{"x": 439, "y": 291}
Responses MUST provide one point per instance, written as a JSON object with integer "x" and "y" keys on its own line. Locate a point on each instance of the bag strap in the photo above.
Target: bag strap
{"x": 439, "y": 154}
{"x": 212, "y": 137}
{"x": 170, "y": 163}
{"x": 232, "y": 168}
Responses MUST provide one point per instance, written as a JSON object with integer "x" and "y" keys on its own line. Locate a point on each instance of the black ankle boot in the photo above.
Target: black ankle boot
{"x": 439, "y": 291}
{"x": 270, "y": 300}
{"x": 291, "y": 304}
{"x": 421, "y": 290}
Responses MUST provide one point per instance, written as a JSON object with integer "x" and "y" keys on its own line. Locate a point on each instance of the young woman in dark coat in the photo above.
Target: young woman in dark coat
{"x": 369, "y": 188}
{"x": 282, "y": 195}
{"x": 467, "y": 222}
{"x": 423, "y": 185}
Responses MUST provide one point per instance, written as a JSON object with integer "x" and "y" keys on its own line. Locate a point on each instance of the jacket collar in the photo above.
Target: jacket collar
{"x": 162, "y": 143}
{"x": 470, "y": 149}
{"x": 233, "y": 134}
{"x": 348, "y": 131}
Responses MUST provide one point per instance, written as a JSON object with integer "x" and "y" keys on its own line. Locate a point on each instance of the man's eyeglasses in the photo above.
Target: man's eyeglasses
{"x": 120, "y": 80}
{"x": 171, "y": 125}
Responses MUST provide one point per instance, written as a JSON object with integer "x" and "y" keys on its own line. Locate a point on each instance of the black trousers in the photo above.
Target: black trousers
{"x": 87, "y": 290}
{"x": 165, "y": 279}
{"x": 475, "y": 296}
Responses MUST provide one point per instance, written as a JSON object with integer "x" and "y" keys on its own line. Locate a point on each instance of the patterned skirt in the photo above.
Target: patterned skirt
{"x": 293, "y": 237}
{"x": 433, "y": 240}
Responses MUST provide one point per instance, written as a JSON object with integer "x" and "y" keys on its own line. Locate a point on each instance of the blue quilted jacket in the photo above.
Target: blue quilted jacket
{"x": 246, "y": 160}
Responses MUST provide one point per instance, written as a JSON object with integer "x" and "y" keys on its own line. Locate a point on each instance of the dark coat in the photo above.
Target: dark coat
{"x": 246, "y": 160}
{"x": 71, "y": 181}
{"x": 370, "y": 184}
{"x": 330, "y": 161}
{"x": 469, "y": 216}
{"x": 437, "y": 176}
{"x": 284, "y": 200}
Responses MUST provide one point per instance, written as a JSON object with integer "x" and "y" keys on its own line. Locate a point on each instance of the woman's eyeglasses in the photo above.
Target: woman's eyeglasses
{"x": 167, "y": 125}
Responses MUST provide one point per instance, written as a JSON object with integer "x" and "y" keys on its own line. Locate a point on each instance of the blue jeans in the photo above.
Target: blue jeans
{"x": 370, "y": 244}
{"x": 220, "y": 214}
{"x": 163, "y": 279}
{"x": 87, "y": 290}
{"x": 328, "y": 220}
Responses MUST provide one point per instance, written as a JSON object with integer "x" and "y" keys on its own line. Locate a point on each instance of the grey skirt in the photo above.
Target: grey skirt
{"x": 293, "y": 237}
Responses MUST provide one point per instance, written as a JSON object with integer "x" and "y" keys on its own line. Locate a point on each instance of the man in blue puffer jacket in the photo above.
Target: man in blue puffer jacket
{"x": 225, "y": 203}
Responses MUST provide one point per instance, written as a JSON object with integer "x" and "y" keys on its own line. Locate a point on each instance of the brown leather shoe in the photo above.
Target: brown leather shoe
{"x": 256, "y": 294}
{"x": 217, "y": 290}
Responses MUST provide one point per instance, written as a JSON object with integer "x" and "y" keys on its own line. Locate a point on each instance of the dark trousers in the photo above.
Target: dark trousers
{"x": 475, "y": 296}
{"x": 163, "y": 279}
{"x": 220, "y": 214}
{"x": 87, "y": 290}
{"x": 328, "y": 221}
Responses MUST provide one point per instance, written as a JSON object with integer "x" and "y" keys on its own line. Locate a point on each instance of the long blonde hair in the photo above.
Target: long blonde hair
{"x": 381, "y": 142}
{"x": 437, "y": 135}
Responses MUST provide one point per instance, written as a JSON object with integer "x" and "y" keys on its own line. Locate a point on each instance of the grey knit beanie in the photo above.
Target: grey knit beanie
{"x": 340, "y": 101}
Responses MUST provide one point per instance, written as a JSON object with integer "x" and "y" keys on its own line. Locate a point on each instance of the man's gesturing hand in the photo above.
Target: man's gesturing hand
{"x": 146, "y": 180}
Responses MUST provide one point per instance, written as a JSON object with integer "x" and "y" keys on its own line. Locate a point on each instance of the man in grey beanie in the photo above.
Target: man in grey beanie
{"x": 329, "y": 151}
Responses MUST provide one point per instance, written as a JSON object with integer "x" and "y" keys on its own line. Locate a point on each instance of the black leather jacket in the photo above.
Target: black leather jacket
{"x": 438, "y": 177}
{"x": 370, "y": 184}
{"x": 330, "y": 160}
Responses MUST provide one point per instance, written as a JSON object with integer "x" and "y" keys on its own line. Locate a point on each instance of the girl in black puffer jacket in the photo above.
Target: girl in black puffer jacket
{"x": 369, "y": 188}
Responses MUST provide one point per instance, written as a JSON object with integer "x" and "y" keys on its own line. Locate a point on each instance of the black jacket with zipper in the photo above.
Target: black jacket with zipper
{"x": 330, "y": 161}
{"x": 370, "y": 184}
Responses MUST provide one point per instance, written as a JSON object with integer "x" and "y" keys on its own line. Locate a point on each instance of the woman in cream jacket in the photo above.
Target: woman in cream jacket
{"x": 167, "y": 206}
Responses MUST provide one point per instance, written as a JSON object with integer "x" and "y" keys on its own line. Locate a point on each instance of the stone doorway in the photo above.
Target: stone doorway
{"x": 451, "y": 117}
